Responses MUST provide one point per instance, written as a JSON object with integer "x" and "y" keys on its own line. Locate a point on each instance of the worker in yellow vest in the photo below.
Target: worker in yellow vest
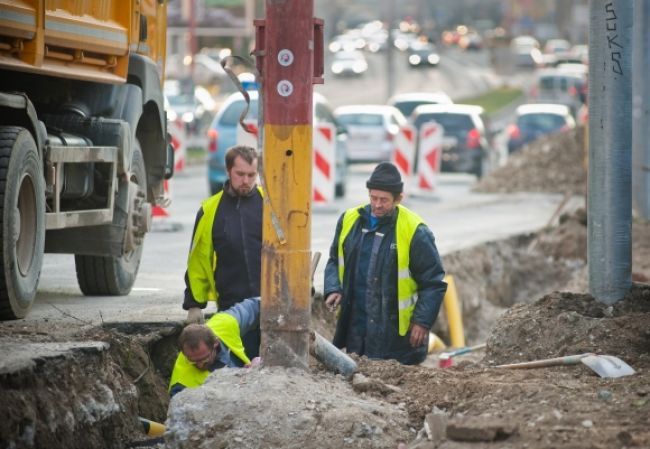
{"x": 225, "y": 259}
{"x": 204, "y": 348}
{"x": 385, "y": 272}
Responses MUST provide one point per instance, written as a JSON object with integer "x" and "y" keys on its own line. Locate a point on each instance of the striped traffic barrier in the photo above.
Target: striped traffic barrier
{"x": 430, "y": 145}
{"x": 178, "y": 135}
{"x": 404, "y": 153}
{"x": 324, "y": 163}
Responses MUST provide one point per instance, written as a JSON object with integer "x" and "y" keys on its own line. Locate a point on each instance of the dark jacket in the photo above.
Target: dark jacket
{"x": 368, "y": 319}
{"x": 237, "y": 239}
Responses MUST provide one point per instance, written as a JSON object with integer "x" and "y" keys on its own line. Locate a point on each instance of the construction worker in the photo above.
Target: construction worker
{"x": 385, "y": 272}
{"x": 224, "y": 262}
{"x": 204, "y": 348}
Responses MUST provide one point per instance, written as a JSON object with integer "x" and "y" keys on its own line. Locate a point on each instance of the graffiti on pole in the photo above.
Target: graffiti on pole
{"x": 612, "y": 43}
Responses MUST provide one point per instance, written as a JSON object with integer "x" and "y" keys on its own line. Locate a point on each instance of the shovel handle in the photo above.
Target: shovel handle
{"x": 462, "y": 351}
{"x": 566, "y": 360}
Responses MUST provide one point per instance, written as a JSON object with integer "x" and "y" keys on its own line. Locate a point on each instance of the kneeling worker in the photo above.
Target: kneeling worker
{"x": 216, "y": 344}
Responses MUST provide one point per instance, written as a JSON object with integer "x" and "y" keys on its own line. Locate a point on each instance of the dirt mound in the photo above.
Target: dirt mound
{"x": 565, "y": 323}
{"x": 554, "y": 164}
{"x": 563, "y": 407}
{"x": 281, "y": 408}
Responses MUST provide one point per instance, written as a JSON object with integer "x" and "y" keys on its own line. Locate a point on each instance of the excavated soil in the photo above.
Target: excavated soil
{"x": 525, "y": 297}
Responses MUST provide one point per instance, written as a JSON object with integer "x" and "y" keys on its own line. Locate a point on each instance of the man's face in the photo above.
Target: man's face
{"x": 243, "y": 176}
{"x": 202, "y": 356}
{"x": 382, "y": 202}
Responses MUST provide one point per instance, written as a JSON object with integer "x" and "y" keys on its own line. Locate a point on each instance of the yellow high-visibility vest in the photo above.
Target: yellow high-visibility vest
{"x": 226, "y": 328}
{"x": 202, "y": 259}
{"x": 407, "y": 288}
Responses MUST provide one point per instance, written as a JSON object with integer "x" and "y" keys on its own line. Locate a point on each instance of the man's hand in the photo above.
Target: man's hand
{"x": 332, "y": 301}
{"x": 418, "y": 335}
{"x": 194, "y": 315}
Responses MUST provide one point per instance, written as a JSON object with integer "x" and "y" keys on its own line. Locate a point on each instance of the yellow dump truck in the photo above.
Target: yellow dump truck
{"x": 83, "y": 141}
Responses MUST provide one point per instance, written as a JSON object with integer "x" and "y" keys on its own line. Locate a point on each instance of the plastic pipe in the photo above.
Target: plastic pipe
{"x": 454, "y": 315}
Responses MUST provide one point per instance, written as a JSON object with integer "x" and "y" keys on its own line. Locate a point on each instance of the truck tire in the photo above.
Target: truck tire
{"x": 22, "y": 205}
{"x": 114, "y": 276}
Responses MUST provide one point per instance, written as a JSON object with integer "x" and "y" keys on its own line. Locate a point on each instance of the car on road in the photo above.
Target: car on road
{"x": 371, "y": 130}
{"x": 407, "y": 102}
{"x": 465, "y": 144}
{"x": 222, "y": 134}
{"x": 536, "y": 120}
{"x": 185, "y": 105}
{"x": 421, "y": 54}
{"x": 349, "y": 63}
{"x": 561, "y": 86}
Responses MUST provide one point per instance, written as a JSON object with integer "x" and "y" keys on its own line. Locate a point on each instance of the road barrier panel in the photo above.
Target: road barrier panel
{"x": 176, "y": 129}
{"x": 429, "y": 157}
{"x": 404, "y": 153}
{"x": 324, "y": 164}
{"x": 248, "y": 138}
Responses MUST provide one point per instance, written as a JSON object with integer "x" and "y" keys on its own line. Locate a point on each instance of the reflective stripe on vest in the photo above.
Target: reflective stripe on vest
{"x": 407, "y": 223}
{"x": 202, "y": 259}
{"x": 226, "y": 328}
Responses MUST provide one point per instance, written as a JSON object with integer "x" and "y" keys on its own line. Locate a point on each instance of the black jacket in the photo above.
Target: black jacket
{"x": 380, "y": 339}
{"x": 237, "y": 240}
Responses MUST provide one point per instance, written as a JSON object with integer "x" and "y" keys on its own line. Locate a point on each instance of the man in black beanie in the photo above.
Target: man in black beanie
{"x": 385, "y": 272}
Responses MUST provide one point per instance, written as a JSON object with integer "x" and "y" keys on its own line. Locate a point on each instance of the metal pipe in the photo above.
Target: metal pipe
{"x": 287, "y": 56}
{"x": 641, "y": 111}
{"x": 609, "y": 200}
{"x": 332, "y": 357}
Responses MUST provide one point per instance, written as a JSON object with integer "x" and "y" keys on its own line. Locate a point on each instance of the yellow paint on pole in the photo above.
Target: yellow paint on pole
{"x": 286, "y": 268}
{"x": 454, "y": 314}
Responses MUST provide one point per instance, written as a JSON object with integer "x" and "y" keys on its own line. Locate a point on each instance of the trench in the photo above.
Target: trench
{"x": 92, "y": 395}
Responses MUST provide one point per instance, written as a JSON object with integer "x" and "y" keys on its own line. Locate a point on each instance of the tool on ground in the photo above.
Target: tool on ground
{"x": 152, "y": 428}
{"x": 603, "y": 365}
{"x": 445, "y": 358}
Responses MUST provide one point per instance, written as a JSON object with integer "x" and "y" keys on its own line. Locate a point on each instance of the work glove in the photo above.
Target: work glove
{"x": 194, "y": 315}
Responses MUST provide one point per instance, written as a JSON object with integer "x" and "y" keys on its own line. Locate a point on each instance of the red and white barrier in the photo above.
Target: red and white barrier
{"x": 430, "y": 144}
{"x": 158, "y": 211}
{"x": 404, "y": 154}
{"x": 246, "y": 138}
{"x": 324, "y": 163}
{"x": 178, "y": 135}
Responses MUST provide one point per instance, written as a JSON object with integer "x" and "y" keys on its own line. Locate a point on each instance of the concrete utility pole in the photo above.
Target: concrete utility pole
{"x": 289, "y": 51}
{"x": 390, "y": 49}
{"x": 609, "y": 199}
{"x": 641, "y": 111}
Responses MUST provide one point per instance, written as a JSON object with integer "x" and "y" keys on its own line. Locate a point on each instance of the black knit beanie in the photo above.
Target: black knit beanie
{"x": 385, "y": 177}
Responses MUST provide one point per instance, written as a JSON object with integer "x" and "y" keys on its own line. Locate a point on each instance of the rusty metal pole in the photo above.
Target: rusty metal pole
{"x": 289, "y": 57}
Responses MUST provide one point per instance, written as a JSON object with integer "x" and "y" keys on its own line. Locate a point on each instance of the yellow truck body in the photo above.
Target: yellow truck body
{"x": 82, "y": 39}
{"x": 84, "y": 150}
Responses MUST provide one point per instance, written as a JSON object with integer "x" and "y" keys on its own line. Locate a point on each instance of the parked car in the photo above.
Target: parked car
{"x": 407, "y": 102}
{"x": 465, "y": 143}
{"x": 371, "y": 130}
{"x": 423, "y": 54}
{"x": 222, "y": 134}
{"x": 536, "y": 120}
{"x": 349, "y": 63}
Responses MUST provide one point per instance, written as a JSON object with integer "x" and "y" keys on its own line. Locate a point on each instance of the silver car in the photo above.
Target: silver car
{"x": 371, "y": 130}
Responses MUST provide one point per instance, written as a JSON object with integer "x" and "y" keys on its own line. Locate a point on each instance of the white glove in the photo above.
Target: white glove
{"x": 194, "y": 315}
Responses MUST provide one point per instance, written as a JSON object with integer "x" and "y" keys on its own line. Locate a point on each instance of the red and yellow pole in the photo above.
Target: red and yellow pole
{"x": 285, "y": 51}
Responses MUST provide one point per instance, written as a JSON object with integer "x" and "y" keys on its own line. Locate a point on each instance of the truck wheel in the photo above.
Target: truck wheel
{"x": 22, "y": 206}
{"x": 115, "y": 276}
